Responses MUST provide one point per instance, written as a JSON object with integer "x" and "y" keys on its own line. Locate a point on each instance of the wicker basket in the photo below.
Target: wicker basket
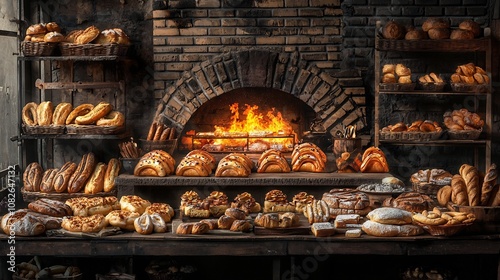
{"x": 397, "y": 87}
{"x": 37, "y": 48}
{"x": 70, "y": 49}
{"x": 43, "y": 129}
{"x": 94, "y": 129}
{"x": 443, "y": 230}
{"x": 32, "y": 196}
{"x": 464, "y": 134}
{"x": 410, "y": 136}
{"x": 477, "y": 88}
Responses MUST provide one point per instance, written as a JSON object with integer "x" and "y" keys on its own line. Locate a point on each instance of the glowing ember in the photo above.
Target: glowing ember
{"x": 254, "y": 131}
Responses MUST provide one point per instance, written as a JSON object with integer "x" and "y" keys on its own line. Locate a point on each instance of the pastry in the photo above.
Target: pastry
{"x": 225, "y": 222}
{"x": 200, "y": 228}
{"x": 276, "y": 201}
{"x": 272, "y": 161}
{"x": 374, "y": 161}
{"x": 218, "y": 203}
{"x": 301, "y": 200}
{"x": 341, "y": 221}
{"x": 236, "y": 213}
{"x": 157, "y": 163}
{"x": 205, "y": 156}
{"x": 79, "y": 110}
{"x": 84, "y": 206}
{"x": 198, "y": 210}
{"x": 193, "y": 167}
{"x": 89, "y": 224}
{"x": 317, "y": 212}
{"x": 184, "y": 228}
{"x": 143, "y": 224}
{"x": 246, "y": 202}
{"x": 134, "y": 203}
{"x": 125, "y": 219}
{"x": 44, "y": 112}
{"x": 346, "y": 201}
{"x": 163, "y": 209}
{"x": 29, "y": 114}
{"x": 189, "y": 198}
{"x": 241, "y": 226}
{"x": 32, "y": 177}
{"x": 159, "y": 224}
{"x": 212, "y": 223}
{"x": 322, "y": 229}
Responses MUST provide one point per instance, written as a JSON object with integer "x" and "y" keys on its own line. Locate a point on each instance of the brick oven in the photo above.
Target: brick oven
{"x": 273, "y": 53}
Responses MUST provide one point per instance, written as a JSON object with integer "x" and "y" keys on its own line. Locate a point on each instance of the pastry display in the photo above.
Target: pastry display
{"x": 197, "y": 163}
{"x": 246, "y": 202}
{"x": 410, "y": 201}
{"x": 124, "y": 219}
{"x": 308, "y": 157}
{"x": 390, "y": 222}
{"x": 272, "y": 161}
{"x": 276, "y": 201}
{"x": 346, "y": 201}
{"x": 469, "y": 74}
{"x": 301, "y": 200}
{"x": 156, "y": 163}
{"x": 463, "y": 120}
{"x": 396, "y": 73}
{"x": 234, "y": 165}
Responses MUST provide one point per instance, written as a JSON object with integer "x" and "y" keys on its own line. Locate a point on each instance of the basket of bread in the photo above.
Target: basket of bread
{"x": 431, "y": 82}
{"x": 470, "y": 78}
{"x": 396, "y": 77}
{"x": 41, "y": 39}
{"x": 443, "y": 223}
{"x": 91, "y": 41}
{"x": 419, "y": 130}
{"x": 463, "y": 125}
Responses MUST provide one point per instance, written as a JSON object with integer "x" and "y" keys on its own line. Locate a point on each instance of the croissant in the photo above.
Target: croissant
{"x": 274, "y": 164}
{"x": 308, "y": 163}
{"x": 489, "y": 182}
{"x": 374, "y": 163}
{"x": 192, "y": 167}
{"x": 149, "y": 167}
{"x": 230, "y": 169}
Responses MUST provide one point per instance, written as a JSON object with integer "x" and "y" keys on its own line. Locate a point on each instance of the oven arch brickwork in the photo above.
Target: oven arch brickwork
{"x": 336, "y": 100}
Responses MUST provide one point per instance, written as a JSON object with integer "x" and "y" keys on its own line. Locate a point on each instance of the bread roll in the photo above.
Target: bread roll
{"x": 459, "y": 34}
{"x": 402, "y": 70}
{"x": 393, "y": 30}
{"x": 405, "y": 79}
{"x": 29, "y": 114}
{"x": 416, "y": 34}
{"x": 438, "y": 33}
{"x": 200, "y": 228}
{"x": 144, "y": 224}
{"x": 431, "y": 23}
{"x": 53, "y": 37}
{"x": 35, "y": 29}
{"x": 389, "y": 68}
{"x": 124, "y": 219}
{"x": 47, "y": 184}
{"x": 389, "y": 78}
{"x": 471, "y": 177}
{"x": 61, "y": 113}
{"x": 471, "y": 26}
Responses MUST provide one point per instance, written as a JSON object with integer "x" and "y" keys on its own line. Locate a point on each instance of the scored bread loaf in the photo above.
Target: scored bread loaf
{"x": 459, "y": 190}
{"x": 470, "y": 175}
{"x": 489, "y": 182}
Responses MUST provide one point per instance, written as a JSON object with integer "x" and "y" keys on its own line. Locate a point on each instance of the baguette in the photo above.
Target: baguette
{"x": 95, "y": 183}
{"x": 61, "y": 179}
{"x": 489, "y": 182}
{"x": 112, "y": 171}
{"x": 47, "y": 184}
{"x": 82, "y": 173}
{"x": 32, "y": 177}
{"x": 459, "y": 191}
{"x": 471, "y": 177}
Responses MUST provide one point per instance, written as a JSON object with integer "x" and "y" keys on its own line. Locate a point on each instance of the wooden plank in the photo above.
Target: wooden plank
{"x": 77, "y": 85}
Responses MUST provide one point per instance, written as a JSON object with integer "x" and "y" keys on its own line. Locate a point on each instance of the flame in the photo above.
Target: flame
{"x": 254, "y": 123}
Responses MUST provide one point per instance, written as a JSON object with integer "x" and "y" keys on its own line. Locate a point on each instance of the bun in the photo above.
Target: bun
{"x": 416, "y": 34}
{"x": 53, "y": 37}
{"x": 79, "y": 110}
{"x": 61, "y": 113}
{"x": 241, "y": 226}
{"x": 36, "y": 29}
{"x": 82, "y": 173}
{"x": 112, "y": 171}
{"x": 88, "y": 35}
{"x": 32, "y": 177}
{"x": 165, "y": 211}
{"x": 388, "y": 78}
{"x": 200, "y": 228}
{"x": 44, "y": 113}
{"x": 471, "y": 26}
{"x": 144, "y": 224}
{"x": 402, "y": 70}
{"x": 460, "y": 34}
{"x": 95, "y": 184}
{"x": 432, "y": 23}
{"x": 123, "y": 38}
{"x": 438, "y": 33}
{"x": 405, "y": 79}
{"x": 389, "y": 68}
{"x": 123, "y": 219}
{"x": 53, "y": 27}
{"x": 393, "y": 30}
{"x": 63, "y": 175}
{"x": 29, "y": 114}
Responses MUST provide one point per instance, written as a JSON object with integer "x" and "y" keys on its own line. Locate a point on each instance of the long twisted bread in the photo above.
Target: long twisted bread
{"x": 470, "y": 175}
{"x": 489, "y": 182}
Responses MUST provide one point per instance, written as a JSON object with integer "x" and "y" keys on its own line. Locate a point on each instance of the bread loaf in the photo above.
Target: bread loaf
{"x": 389, "y": 215}
{"x": 471, "y": 178}
{"x": 88, "y": 35}
{"x": 82, "y": 173}
{"x": 489, "y": 181}
{"x": 386, "y": 230}
{"x": 29, "y": 114}
{"x": 471, "y": 26}
{"x": 431, "y": 23}
{"x": 95, "y": 183}
{"x": 393, "y": 30}
{"x": 61, "y": 113}
{"x": 438, "y": 33}
{"x": 47, "y": 184}
{"x": 459, "y": 34}
{"x": 50, "y": 207}
{"x": 98, "y": 112}
{"x": 21, "y": 223}
{"x": 63, "y": 175}
{"x": 53, "y": 37}
{"x": 444, "y": 195}
{"x": 459, "y": 190}
{"x": 112, "y": 171}
{"x": 134, "y": 203}
{"x": 32, "y": 177}
{"x": 44, "y": 113}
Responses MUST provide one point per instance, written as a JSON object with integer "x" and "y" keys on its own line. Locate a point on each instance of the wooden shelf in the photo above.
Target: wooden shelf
{"x": 72, "y": 58}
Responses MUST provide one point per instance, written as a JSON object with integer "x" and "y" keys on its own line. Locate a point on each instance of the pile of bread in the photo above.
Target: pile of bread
{"x": 44, "y": 32}
{"x": 471, "y": 188}
{"x": 431, "y": 78}
{"x": 89, "y": 176}
{"x": 416, "y": 126}
{"x": 44, "y": 114}
{"x": 462, "y": 120}
{"x": 232, "y": 219}
{"x": 160, "y": 132}
{"x": 308, "y": 157}
{"x": 396, "y": 73}
{"x": 94, "y": 35}
{"x": 432, "y": 28}
{"x": 470, "y": 74}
